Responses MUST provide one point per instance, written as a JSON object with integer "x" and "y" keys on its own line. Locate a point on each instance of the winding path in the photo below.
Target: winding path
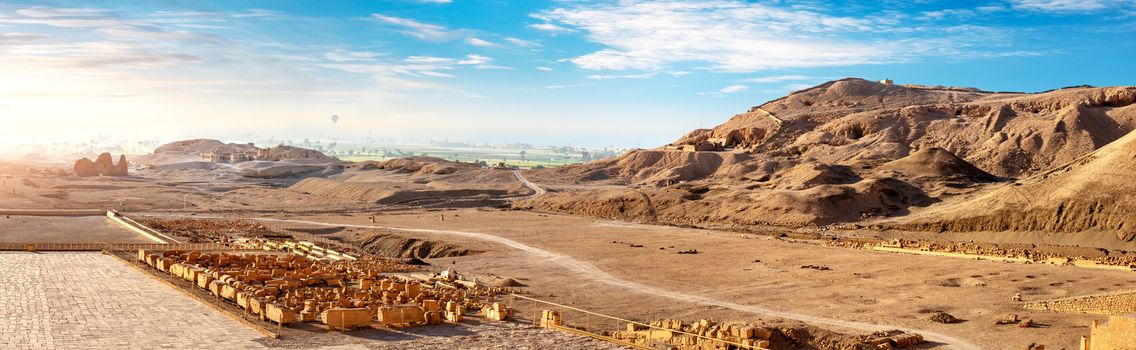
{"x": 589, "y": 271}
{"x": 536, "y": 189}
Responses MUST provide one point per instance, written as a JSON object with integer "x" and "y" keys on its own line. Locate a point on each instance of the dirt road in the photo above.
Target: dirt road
{"x": 588, "y": 271}
{"x": 536, "y": 189}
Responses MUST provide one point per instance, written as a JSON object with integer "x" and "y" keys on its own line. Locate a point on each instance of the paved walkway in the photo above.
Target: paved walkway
{"x": 93, "y": 301}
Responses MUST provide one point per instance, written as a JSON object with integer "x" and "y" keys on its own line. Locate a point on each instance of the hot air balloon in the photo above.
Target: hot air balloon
{"x": 334, "y": 118}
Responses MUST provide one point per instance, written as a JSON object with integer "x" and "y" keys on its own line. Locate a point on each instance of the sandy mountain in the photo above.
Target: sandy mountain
{"x": 273, "y": 153}
{"x": 845, "y": 150}
{"x": 423, "y": 181}
{"x": 250, "y": 161}
{"x": 1094, "y": 192}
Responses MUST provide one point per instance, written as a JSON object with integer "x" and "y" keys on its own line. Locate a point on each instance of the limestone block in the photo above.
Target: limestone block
{"x": 550, "y": 318}
{"x": 907, "y": 340}
{"x": 229, "y": 292}
{"x": 280, "y": 314}
{"x": 762, "y": 333}
{"x": 243, "y": 299}
{"x": 215, "y": 288}
{"x": 433, "y": 317}
{"x": 398, "y": 316}
{"x": 497, "y": 312}
{"x": 203, "y": 280}
{"x": 454, "y": 317}
{"x": 413, "y": 290}
{"x": 431, "y": 305}
{"x": 346, "y": 319}
{"x": 256, "y": 305}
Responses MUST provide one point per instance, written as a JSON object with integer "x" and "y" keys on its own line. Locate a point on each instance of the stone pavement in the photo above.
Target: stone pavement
{"x": 94, "y": 301}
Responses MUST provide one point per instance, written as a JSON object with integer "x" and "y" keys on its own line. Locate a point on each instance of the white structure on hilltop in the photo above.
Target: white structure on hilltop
{"x": 886, "y": 82}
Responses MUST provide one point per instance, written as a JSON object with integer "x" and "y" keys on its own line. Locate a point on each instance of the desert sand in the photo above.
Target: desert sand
{"x": 762, "y": 219}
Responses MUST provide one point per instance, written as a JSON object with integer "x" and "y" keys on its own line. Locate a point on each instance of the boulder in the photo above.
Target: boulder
{"x": 85, "y": 167}
{"x": 104, "y": 163}
{"x": 120, "y": 168}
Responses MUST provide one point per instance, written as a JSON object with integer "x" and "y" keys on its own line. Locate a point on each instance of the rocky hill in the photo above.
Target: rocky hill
{"x": 1093, "y": 192}
{"x": 244, "y": 159}
{"x": 198, "y": 147}
{"x": 845, "y": 151}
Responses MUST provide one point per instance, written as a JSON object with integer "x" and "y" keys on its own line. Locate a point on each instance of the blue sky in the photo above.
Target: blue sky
{"x": 588, "y": 73}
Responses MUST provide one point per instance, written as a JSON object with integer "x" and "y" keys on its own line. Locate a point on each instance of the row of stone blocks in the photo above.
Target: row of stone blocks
{"x": 704, "y": 334}
{"x": 286, "y": 289}
{"x": 1115, "y": 304}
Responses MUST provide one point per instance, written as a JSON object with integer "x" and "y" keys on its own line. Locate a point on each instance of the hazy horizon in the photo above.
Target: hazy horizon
{"x": 579, "y": 73}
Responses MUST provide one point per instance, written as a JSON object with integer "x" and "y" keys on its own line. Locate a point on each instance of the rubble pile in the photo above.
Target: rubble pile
{"x": 704, "y": 334}
{"x": 348, "y": 294}
{"x": 943, "y": 317}
{"x": 211, "y": 230}
{"x": 893, "y": 339}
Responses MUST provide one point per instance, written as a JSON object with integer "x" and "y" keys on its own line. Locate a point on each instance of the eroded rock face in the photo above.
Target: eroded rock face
{"x": 85, "y": 167}
{"x": 120, "y": 168}
{"x": 102, "y": 166}
{"x": 104, "y": 163}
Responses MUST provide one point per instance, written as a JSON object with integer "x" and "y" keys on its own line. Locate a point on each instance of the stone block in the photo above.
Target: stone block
{"x": 401, "y": 316}
{"x": 229, "y": 292}
{"x": 346, "y": 319}
{"x": 497, "y": 312}
{"x": 280, "y": 314}
{"x": 203, "y": 280}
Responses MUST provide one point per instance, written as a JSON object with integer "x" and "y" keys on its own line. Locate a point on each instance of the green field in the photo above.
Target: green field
{"x": 510, "y": 156}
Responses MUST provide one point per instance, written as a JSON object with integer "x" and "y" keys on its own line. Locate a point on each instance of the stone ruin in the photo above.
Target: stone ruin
{"x": 1106, "y": 304}
{"x": 707, "y": 334}
{"x": 102, "y": 166}
{"x": 1118, "y": 333}
{"x": 343, "y": 295}
{"x": 703, "y": 334}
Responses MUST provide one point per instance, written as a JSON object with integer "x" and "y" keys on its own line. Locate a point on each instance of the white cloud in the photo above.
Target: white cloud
{"x": 50, "y": 12}
{"x": 680, "y": 73}
{"x": 568, "y": 86}
{"x": 621, "y": 60}
{"x": 475, "y": 59}
{"x": 620, "y": 76}
{"x": 340, "y": 55}
{"x": 435, "y": 1}
{"x": 549, "y": 27}
{"x": 395, "y": 82}
{"x": 522, "y": 42}
{"x": 732, "y": 89}
{"x": 735, "y": 36}
{"x": 428, "y": 59}
{"x": 546, "y": 69}
{"x": 424, "y": 31}
{"x": 480, "y": 62}
{"x": 1066, "y": 5}
{"x": 478, "y": 42}
{"x": 15, "y": 38}
{"x": 777, "y": 79}
{"x": 436, "y": 74}
{"x": 263, "y": 14}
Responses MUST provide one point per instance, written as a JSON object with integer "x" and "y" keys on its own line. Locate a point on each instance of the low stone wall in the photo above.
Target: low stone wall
{"x": 1112, "y": 304}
